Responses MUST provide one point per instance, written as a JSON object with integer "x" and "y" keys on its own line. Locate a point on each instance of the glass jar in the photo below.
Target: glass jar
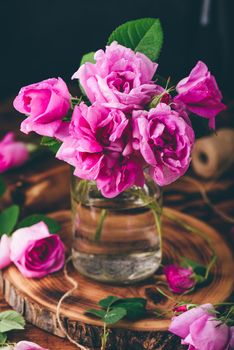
{"x": 116, "y": 240}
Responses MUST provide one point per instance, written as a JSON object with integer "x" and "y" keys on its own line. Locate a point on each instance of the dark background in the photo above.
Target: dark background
{"x": 46, "y": 38}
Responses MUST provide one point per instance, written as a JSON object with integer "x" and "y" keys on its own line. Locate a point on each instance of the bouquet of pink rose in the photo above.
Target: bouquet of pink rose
{"x": 129, "y": 123}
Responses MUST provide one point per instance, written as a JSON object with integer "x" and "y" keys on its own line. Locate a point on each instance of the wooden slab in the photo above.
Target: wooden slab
{"x": 37, "y": 299}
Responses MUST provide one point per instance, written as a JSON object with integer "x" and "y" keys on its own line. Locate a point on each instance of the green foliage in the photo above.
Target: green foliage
{"x": 51, "y": 143}
{"x": 52, "y": 224}
{"x": 9, "y": 320}
{"x": 107, "y": 302}
{"x": 2, "y": 186}
{"x": 144, "y": 35}
{"x": 3, "y": 338}
{"x": 201, "y": 273}
{"x": 114, "y": 315}
{"x": 135, "y": 307}
{"x": 88, "y": 57}
{"x": 8, "y": 219}
{"x": 98, "y": 313}
{"x": 115, "y": 308}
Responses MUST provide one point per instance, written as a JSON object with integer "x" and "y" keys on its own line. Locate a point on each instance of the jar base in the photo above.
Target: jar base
{"x": 117, "y": 269}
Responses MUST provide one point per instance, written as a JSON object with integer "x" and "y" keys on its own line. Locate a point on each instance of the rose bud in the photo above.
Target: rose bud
{"x": 180, "y": 309}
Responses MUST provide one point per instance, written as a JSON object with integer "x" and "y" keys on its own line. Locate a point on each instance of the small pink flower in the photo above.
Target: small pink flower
{"x": 36, "y": 252}
{"x": 5, "y": 243}
{"x": 12, "y": 153}
{"x": 178, "y": 278}
{"x": 200, "y": 331}
{"x": 26, "y": 345}
{"x": 181, "y": 308}
{"x": 45, "y": 104}
{"x": 200, "y": 94}
{"x": 120, "y": 78}
{"x": 165, "y": 141}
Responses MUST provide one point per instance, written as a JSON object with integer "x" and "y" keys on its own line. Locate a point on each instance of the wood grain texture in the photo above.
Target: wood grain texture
{"x": 37, "y": 299}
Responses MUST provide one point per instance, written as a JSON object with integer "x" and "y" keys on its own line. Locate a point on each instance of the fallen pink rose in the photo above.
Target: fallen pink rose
{"x": 12, "y": 153}
{"x": 45, "y": 103}
{"x": 5, "y": 243}
{"x": 36, "y": 252}
{"x": 200, "y": 330}
{"x": 200, "y": 94}
{"x": 179, "y": 279}
{"x": 26, "y": 345}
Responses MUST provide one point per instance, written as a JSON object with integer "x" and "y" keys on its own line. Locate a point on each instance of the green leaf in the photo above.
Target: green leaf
{"x": 133, "y": 300}
{"x": 8, "y": 219}
{"x": 10, "y": 320}
{"x": 88, "y": 57}
{"x": 12, "y": 316}
{"x": 48, "y": 141}
{"x": 2, "y": 186}
{"x": 198, "y": 269}
{"x": 53, "y": 225}
{"x": 134, "y": 311}
{"x": 98, "y": 313}
{"x": 8, "y": 325}
{"x": 107, "y": 302}
{"x": 144, "y": 35}
{"x": 51, "y": 143}
{"x": 199, "y": 278}
{"x": 114, "y": 315}
{"x": 3, "y": 338}
{"x": 135, "y": 307}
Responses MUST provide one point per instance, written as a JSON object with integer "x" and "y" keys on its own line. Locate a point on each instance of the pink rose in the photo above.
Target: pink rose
{"x": 199, "y": 329}
{"x": 120, "y": 78}
{"x": 12, "y": 153}
{"x": 45, "y": 103}
{"x": 165, "y": 141}
{"x": 200, "y": 94}
{"x": 94, "y": 132}
{"x": 118, "y": 174}
{"x": 178, "y": 278}
{"x": 97, "y": 146}
{"x": 26, "y": 345}
{"x": 5, "y": 244}
{"x": 36, "y": 252}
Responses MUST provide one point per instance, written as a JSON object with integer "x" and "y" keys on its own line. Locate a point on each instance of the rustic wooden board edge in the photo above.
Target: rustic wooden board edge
{"x": 87, "y": 335}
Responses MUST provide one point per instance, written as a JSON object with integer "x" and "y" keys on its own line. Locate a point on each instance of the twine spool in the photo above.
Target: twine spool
{"x": 214, "y": 154}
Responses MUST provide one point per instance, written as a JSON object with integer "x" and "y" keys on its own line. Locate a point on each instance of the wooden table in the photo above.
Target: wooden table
{"x": 29, "y": 184}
